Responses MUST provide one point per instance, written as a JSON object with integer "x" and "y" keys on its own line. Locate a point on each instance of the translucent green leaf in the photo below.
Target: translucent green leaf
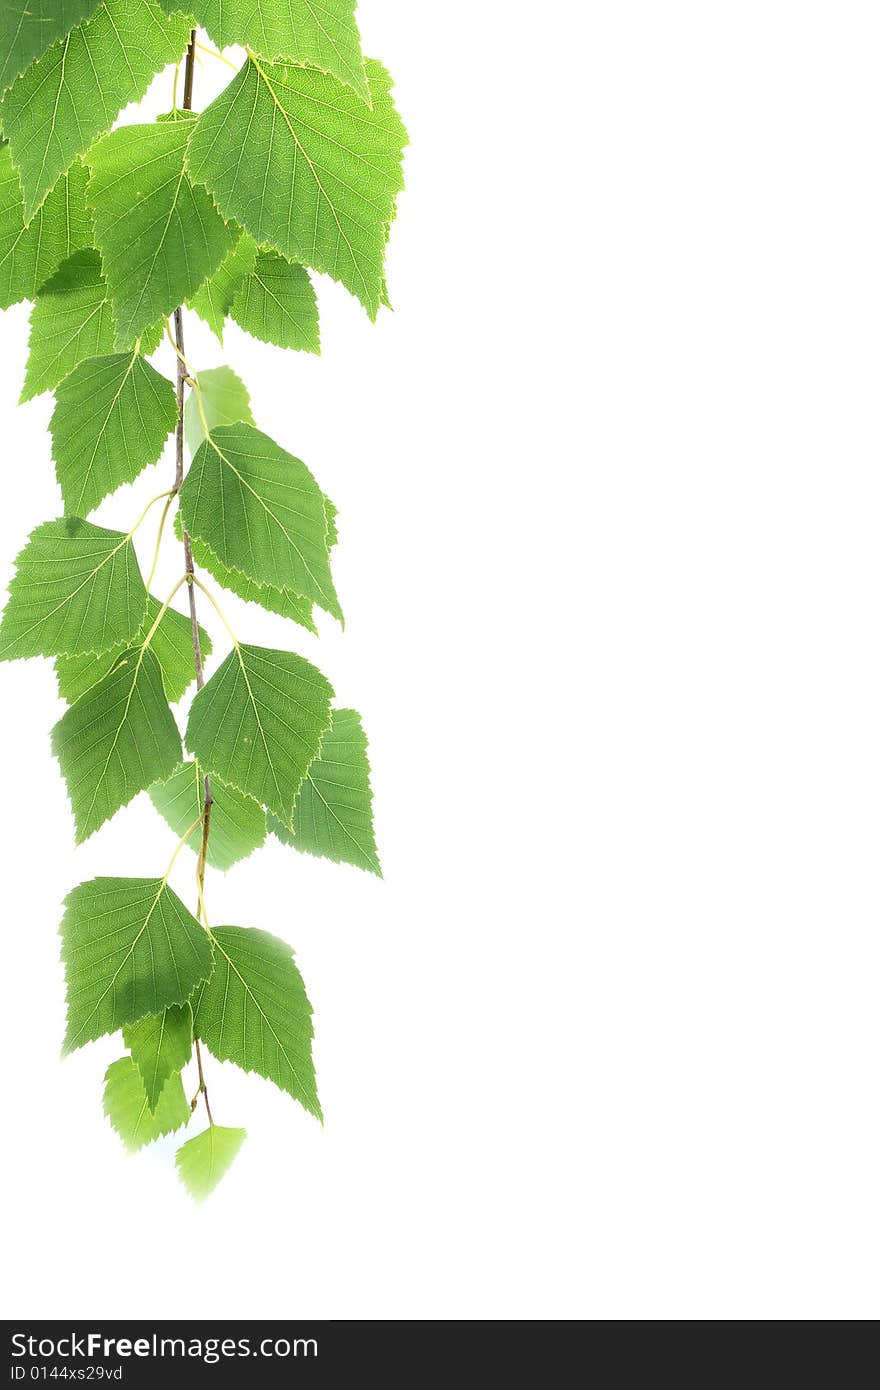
{"x": 111, "y": 420}
{"x": 203, "y": 1161}
{"x": 159, "y": 237}
{"x": 71, "y": 321}
{"x": 28, "y": 27}
{"x": 29, "y": 255}
{"x": 130, "y": 948}
{"x": 238, "y": 823}
{"x": 300, "y": 162}
{"x": 128, "y": 1110}
{"x": 214, "y": 300}
{"x": 171, "y": 645}
{"x": 276, "y": 303}
{"x": 333, "y": 813}
{"x": 75, "y": 91}
{"x": 117, "y": 739}
{"x": 258, "y": 723}
{"x": 77, "y": 588}
{"x": 294, "y": 606}
{"x": 160, "y": 1046}
{"x": 224, "y": 400}
{"x": 261, "y": 512}
{"x": 254, "y": 1011}
{"x": 317, "y": 33}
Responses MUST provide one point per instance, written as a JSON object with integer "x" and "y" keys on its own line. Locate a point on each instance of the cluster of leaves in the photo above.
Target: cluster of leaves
{"x": 294, "y": 168}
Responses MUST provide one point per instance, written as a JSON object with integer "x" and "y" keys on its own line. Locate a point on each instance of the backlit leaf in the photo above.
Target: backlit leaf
{"x": 128, "y": 1110}
{"x": 204, "y": 1160}
{"x": 276, "y": 303}
{"x": 29, "y": 255}
{"x": 238, "y": 823}
{"x": 171, "y": 645}
{"x": 160, "y": 1046}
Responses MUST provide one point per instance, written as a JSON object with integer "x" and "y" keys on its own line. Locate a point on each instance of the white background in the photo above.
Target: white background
{"x": 604, "y": 1044}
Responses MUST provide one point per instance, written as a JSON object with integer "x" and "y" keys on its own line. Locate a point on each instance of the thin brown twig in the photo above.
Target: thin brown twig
{"x": 182, "y": 379}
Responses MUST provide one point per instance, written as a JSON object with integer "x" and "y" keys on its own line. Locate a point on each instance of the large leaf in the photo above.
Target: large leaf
{"x": 30, "y": 254}
{"x": 171, "y": 645}
{"x": 130, "y": 948}
{"x": 159, "y": 237}
{"x": 258, "y": 723}
{"x": 302, "y": 164}
{"x": 254, "y": 1011}
{"x": 77, "y": 589}
{"x": 224, "y": 400}
{"x": 204, "y": 1160}
{"x": 117, "y": 739}
{"x": 28, "y": 27}
{"x": 238, "y": 823}
{"x": 333, "y": 813}
{"x": 261, "y": 512}
{"x": 160, "y": 1046}
{"x": 213, "y": 300}
{"x": 128, "y": 1110}
{"x": 276, "y": 303}
{"x": 71, "y": 321}
{"x": 317, "y": 33}
{"x": 282, "y": 601}
{"x": 111, "y": 420}
{"x": 75, "y": 91}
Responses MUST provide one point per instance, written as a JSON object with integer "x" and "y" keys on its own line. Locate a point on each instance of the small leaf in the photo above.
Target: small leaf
{"x": 254, "y": 1011}
{"x": 111, "y": 420}
{"x": 116, "y": 740}
{"x": 29, "y": 255}
{"x": 159, "y": 237}
{"x": 70, "y": 322}
{"x": 128, "y": 1110}
{"x": 258, "y": 723}
{"x": 204, "y": 1160}
{"x": 171, "y": 645}
{"x": 75, "y": 91}
{"x": 77, "y": 588}
{"x": 261, "y": 512}
{"x": 299, "y": 161}
{"x": 213, "y": 300}
{"x": 276, "y": 303}
{"x": 333, "y": 813}
{"x": 225, "y": 401}
{"x": 160, "y": 1046}
{"x": 130, "y": 948}
{"x": 238, "y": 823}
{"x": 317, "y": 34}
{"x": 28, "y": 27}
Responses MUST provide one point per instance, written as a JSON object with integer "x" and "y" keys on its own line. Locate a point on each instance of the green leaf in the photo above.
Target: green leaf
{"x": 75, "y": 91}
{"x": 117, "y": 739}
{"x": 159, "y": 237}
{"x": 238, "y": 823}
{"x": 111, "y": 420}
{"x": 128, "y": 1110}
{"x": 258, "y": 723}
{"x": 130, "y": 948}
{"x": 171, "y": 645}
{"x": 77, "y": 588}
{"x": 306, "y": 168}
{"x": 71, "y": 321}
{"x": 333, "y": 813}
{"x": 261, "y": 512}
{"x": 282, "y": 601}
{"x": 28, "y": 27}
{"x": 225, "y": 401}
{"x": 63, "y": 225}
{"x": 160, "y": 1046}
{"x": 276, "y": 303}
{"x": 254, "y": 1011}
{"x": 203, "y": 1161}
{"x": 213, "y": 300}
{"x": 316, "y": 33}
